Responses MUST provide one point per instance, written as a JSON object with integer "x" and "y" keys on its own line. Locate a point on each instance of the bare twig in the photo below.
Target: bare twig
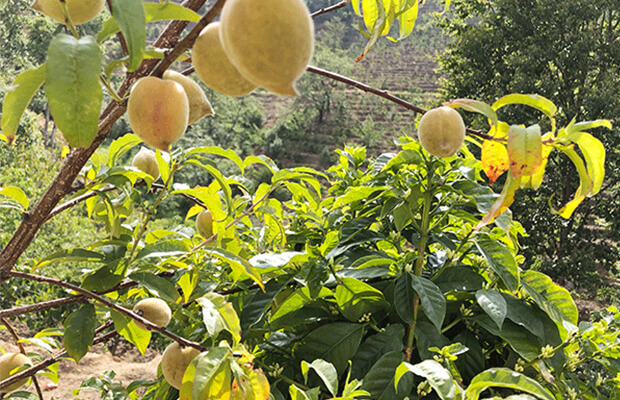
{"x": 23, "y": 351}
{"x": 182, "y": 341}
{"x": 54, "y": 358}
{"x": 382, "y": 93}
{"x": 325, "y": 10}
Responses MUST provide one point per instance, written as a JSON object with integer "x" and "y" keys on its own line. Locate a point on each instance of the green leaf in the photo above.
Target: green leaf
{"x": 389, "y": 339}
{"x": 475, "y": 106}
{"x": 15, "y": 102}
{"x": 551, "y": 298}
{"x": 525, "y": 343}
{"x": 403, "y": 298}
{"x": 80, "y": 328}
{"x": 157, "y": 285}
{"x": 356, "y": 298}
{"x": 208, "y": 376}
{"x": 501, "y": 261}
{"x": 16, "y": 194}
{"x": 325, "y": 371}
{"x": 130, "y": 17}
{"x": 493, "y": 304}
{"x": 71, "y": 255}
{"x": 335, "y": 343}
{"x": 163, "y": 249}
{"x": 524, "y": 150}
{"x": 540, "y": 103}
{"x": 121, "y": 146}
{"x": 505, "y": 378}
{"x": 458, "y": 279}
{"x": 431, "y": 298}
{"x": 298, "y": 300}
{"x": 72, "y": 87}
{"x": 241, "y": 268}
{"x": 128, "y": 329}
{"x": 404, "y": 157}
{"x": 218, "y": 151}
{"x": 379, "y": 381}
{"x": 219, "y": 315}
{"x": 406, "y": 20}
{"x": 437, "y": 376}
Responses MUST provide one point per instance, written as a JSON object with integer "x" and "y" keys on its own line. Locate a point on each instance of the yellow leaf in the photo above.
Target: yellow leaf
{"x": 494, "y": 159}
{"x": 524, "y": 150}
{"x": 535, "y": 180}
{"x": 502, "y": 203}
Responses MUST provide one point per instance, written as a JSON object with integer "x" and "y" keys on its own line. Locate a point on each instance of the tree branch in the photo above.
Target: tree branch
{"x": 382, "y": 93}
{"x": 325, "y": 10}
{"x": 61, "y": 185}
{"x": 182, "y": 341}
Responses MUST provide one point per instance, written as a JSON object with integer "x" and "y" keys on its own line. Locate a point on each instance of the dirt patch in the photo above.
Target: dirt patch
{"x": 127, "y": 362}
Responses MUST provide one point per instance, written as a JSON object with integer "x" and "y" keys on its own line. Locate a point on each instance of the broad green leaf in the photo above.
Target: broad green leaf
{"x": 15, "y": 102}
{"x": 105, "y": 277}
{"x": 72, "y": 255}
{"x": 208, "y": 376}
{"x": 128, "y": 329}
{"x": 257, "y": 305}
{"x": 501, "y": 261}
{"x": 356, "y": 298}
{"x": 219, "y": 315}
{"x": 80, "y": 328}
{"x": 298, "y": 300}
{"x": 218, "y": 151}
{"x": 524, "y": 314}
{"x": 437, "y": 376}
{"x": 459, "y": 279}
{"x": 325, "y": 371}
{"x": 594, "y": 153}
{"x": 163, "y": 249}
{"x": 493, "y": 304}
{"x": 130, "y": 17}
{"x": 404, "y": 157}
{"x": 524, "y": 150}
{"x": 121, "y": 146}
{"x": 502, "y": 203}
{"x": 431, "y": 298}
{"x": 506, "y": 378}
{"x": 389, "y": 339}
{"x": 335, "y": 343}
{"x": 241, "y": 268}
{"x": 403, "y": 298}
{"x": 475, "y": 106}
{"x": 522, "y": 341}
{"x": 16, "y": 194}
{"x": 221, "y": 180}
{"x": 72, "y": 87}
{"x": 157, "y": 285}
{"x": 153, "y": 12}
{"x": 379, "y": 381}
{"x": 551, "y": 298}
{"x": 540, "y": 103}
{"x": 585, "y": 184}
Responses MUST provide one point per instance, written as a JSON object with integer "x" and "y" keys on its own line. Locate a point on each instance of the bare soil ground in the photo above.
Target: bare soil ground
{"x": 128, "y": 364}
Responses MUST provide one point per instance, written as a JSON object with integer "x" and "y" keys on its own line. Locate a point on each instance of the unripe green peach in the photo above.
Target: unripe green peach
{"x": 270, "y": 42}
{"x": 213, "y": 66}
{"x": 154, "y": 310}
{"x": 158, "y": 111}
{"x": 199, "y": 105}
{"x": 146, "y": 162}
{"x": 8, "y": 363}
{"x": 175, "y": 361}
{"x": 80, "y": 11}
{"x": 441, "y": 131}
{"x": 204, "y": 224}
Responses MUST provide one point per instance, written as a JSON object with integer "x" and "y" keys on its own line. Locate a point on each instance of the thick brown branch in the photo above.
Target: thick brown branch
{"x": 325, "y": 10}
{"x": 54, "y": 358}
{"x": 61, "y": 185}
{"x": 182, "y": 341}
{"x": 382, "y": 93}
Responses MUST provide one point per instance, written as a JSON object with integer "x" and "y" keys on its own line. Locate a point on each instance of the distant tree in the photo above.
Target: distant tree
{"x": 568, "y": 51}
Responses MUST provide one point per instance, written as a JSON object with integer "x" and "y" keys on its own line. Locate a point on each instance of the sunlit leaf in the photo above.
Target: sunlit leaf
{"x": 16, "y": 194}
{"x": 475, "y": 106}
{"x": 494, "y": 159}
{"x": 502, "y": 203}
{"x": 524, "y": 150}
{"x": 538, "y": 102}
{"x": 505, "y": 378}
{"x": 585, "y": 184}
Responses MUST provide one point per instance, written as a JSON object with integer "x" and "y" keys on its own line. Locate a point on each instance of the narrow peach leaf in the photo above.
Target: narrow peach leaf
{"x": 502, "y": 203}
{"x": 494, "y": 159}
{"x": 524, "y": 150}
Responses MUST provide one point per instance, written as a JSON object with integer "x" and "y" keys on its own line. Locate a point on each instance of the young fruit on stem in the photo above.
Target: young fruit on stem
{"x": 199, "y": 105}
{"x": 8, "y": 363}
{"x": 214, "y": 67}
{"x": 153, "y": 310}
{"x": 270, "y": 42}
{"x": 80, "y": 11}
{"x": 175, "y": 361}
{"x": 146, "y": 162}
{"x": 441, "y": 131}
{"x": 158, "y": 111}
{"x": 204, "y": 224}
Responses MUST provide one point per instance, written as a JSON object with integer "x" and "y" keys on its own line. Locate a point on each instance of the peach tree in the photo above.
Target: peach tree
{"x": 382, "y": 278}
